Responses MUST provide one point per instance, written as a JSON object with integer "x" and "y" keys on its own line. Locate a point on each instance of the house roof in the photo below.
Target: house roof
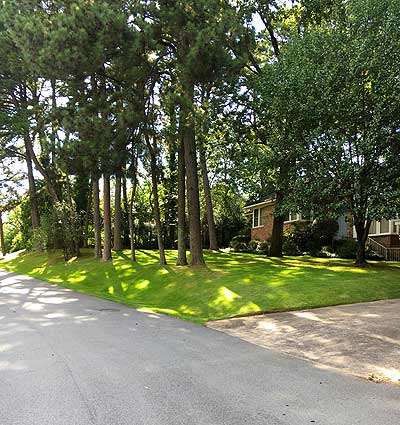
{"x": 266, "y": 199}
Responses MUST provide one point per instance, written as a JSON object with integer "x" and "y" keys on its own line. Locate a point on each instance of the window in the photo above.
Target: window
{"x": 258, "y": 217}
{"x": 255, "y": 217}
{"x": 292, "y": 216}
{"x": 261, "y": 216}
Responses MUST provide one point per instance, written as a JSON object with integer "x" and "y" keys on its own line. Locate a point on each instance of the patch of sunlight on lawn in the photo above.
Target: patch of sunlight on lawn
{"x": 273, "y": 283}
{"x": 142, "y": 285}
{"x": 250, "y": 307}
{"x": 225, "y": 297}
{"x": 159, "y": 310}
{"x": 56, "y": 280}
{"x": 185, "y": 309}
{"x": 78, "y": 279}
{"x": 39, "y": 270}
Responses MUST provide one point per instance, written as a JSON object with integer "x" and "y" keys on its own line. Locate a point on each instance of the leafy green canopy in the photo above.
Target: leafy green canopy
{"x": 338, "y": 84}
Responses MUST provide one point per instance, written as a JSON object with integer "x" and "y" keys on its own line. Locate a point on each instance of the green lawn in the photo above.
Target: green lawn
{"x": 231, "y": 284}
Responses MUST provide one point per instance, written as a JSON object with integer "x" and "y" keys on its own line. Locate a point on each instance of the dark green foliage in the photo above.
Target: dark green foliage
{"x": 259, "y": 247}
{"x": 63, "y": 229}
{"x": 346, "y": 248}
{"x": 239, "y": 243}
{"x": 309, "y": 238}
{"x": 324, "y": 231}
{"x": 296, "y": 239}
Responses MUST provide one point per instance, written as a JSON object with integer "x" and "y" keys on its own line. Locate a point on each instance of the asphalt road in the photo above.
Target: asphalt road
{"x": 71, "y": 359}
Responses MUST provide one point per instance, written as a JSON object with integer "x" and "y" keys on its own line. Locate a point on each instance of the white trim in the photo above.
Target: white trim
{"x": 298, "y": 220}
{"x": 270, "y": 201}
{"x": 392, "y": 228}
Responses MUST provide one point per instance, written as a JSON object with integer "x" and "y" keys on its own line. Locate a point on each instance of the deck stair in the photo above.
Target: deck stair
{"x": 389, "y": 254}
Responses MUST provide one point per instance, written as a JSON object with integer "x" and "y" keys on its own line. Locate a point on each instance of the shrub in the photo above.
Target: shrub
{"x": 346, "y": 248}
{"x": 238, "y": 243}
{"x": 289, "y": 246}
{"x": 253, "y": 245}
{"x": 40, "y": 239}
{"x": 296, "y": 239}
{"x": 263, "y": 247}
{"x": 239, "y": 247}
{"x": 323, "y": 232}
{"x": 259, "y": 247}
{"x": 310, "y": 238}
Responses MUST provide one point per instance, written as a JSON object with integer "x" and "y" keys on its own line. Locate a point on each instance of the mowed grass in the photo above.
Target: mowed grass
{"x": 231, "y": 284}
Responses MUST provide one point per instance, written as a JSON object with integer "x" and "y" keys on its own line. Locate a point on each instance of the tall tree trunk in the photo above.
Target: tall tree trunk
{"x": 129, "y": 212}
{"x": 50, "y": 185}
{"x": 125, "y": 203}
{"x": 157, "y": 215}
{"x": 87, "y": 216}
{"x": 362, "y": 230}
{"x": 277, "y": 230}
{"x": 182, "y": 260}
{"x": 32, "y": 189}
{"x": 118, "y": 214}
{"x": 196, "y": 249}
{"x": 76, "y": 239}
{"x": 212, "y": 234}
{"x": 2, "y": 242}
{"x": 107, "y": 217}
{"x": 96, "y": 217}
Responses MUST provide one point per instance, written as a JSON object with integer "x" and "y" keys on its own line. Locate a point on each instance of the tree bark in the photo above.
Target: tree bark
{"x": 196, "y": 249}
{"x": 362, "y": 230}
{"x": 35, "y": 217}
{"x": 118, "y": 214}
{"x": 129, "y": 212}
{"x": 96, "y": 218}
{"x": 182, "y": 260}
{"x": 277, "y": 230}
{"x": 157, "y": 215}
{"x": 87, "y": 216}
{"x": 51, "y": 188}
{"x": 209, "y": 205}
{"x": 107, "y": 217}
{"x": 2, "y": 242}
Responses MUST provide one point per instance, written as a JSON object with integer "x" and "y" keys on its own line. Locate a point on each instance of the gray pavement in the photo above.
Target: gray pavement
{"x": 362, "y": 339}
{"x": 70, "y": 359}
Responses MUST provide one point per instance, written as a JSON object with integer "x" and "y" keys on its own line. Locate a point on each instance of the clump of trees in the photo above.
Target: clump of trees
{"x": 142, "y": 123}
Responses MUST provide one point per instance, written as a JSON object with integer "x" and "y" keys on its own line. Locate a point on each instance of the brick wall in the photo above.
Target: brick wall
{"x": 265, "y": 232}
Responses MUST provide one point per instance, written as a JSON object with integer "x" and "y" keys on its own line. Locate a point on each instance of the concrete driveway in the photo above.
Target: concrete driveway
{"x": 362, "y": 339}
{"x": 71, "y": 359}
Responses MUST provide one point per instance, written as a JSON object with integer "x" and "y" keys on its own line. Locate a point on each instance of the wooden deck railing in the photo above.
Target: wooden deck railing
{"x": 389, "y": 254}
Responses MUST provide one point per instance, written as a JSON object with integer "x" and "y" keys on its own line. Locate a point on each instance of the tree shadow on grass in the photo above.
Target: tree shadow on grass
{"x": 231, "y": 284}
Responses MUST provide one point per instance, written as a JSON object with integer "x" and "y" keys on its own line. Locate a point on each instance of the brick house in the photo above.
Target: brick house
{"x": 261, "y": 213}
